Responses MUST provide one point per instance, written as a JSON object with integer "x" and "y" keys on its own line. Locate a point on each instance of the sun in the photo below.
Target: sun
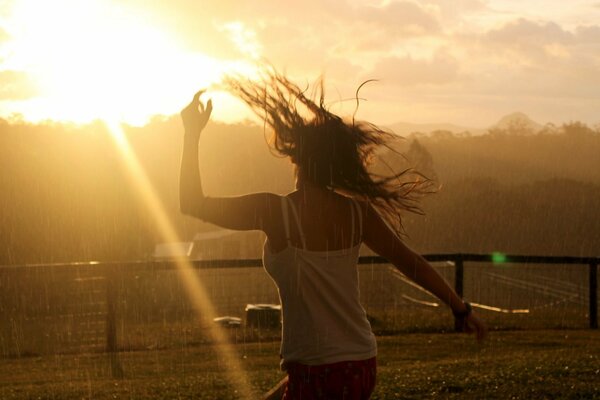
{"x": 98, "y": 59}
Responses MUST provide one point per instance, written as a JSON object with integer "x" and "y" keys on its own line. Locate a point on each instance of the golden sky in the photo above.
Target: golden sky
{"x": 466, "y": 62}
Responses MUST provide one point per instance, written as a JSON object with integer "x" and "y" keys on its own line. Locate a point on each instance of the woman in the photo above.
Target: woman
{"x": 314, "y": 235}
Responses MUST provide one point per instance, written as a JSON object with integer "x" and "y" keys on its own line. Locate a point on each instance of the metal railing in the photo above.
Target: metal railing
{"x": 108, "y": 274}
{"x": 109, "y": 271}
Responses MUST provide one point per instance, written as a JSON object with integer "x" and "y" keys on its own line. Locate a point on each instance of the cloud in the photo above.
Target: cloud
{"x": 289, "y": 28}
{"x": 432, "y": 49}
{"x": 546, "y": 45}
{"x": 311, "y": 37}
{"x": 532, "y": 59}
{"x": 541, "y": 45}
{"x": 455, "y": 11}
{"x": 446, "y": 54}
{"x": 16, "y": 85}
{"x": 588, "y": 34}
{"x": 400, "y": 18}
{"x": 523, "y": 31}
{"x": 407, "y": 71}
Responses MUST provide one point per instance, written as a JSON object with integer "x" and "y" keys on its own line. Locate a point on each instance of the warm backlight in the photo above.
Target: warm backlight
{"x": 96, "y": 59}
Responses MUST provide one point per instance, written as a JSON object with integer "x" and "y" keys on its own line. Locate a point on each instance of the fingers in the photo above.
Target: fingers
{"x": 480, "y": 330}
{"x": 196, "y": 100}
{"x": 197, "y": 96}
{"x": 196, "y": 103}
{"x": 474, "y": 325}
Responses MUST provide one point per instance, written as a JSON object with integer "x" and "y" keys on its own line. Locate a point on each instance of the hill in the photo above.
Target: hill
{"x": 406, "y": 128}
{"x": 517, "y": 123}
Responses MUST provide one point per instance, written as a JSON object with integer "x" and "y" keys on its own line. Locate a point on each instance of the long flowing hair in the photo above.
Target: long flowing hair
{"x": 331, "y": 152}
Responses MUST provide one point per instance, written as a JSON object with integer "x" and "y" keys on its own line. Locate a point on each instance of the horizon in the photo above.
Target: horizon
{"x": 251, "y": 121}
{"x": 465, "y": 63}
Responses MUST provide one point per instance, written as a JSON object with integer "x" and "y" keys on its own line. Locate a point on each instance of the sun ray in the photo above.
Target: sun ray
{"x": 192, "y": 284}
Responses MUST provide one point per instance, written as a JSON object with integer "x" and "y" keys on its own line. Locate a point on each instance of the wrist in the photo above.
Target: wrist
{"x": 464, "y": 311}
{"x": 191, "y": 136}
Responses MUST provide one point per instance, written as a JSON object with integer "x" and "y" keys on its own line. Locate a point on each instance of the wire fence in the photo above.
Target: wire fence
{"x": 98, "y": 307}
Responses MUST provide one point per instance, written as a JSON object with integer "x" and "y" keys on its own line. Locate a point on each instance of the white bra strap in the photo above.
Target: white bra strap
{"x": 359, "y": 212}
{"x": 286, "y": 220}
{"x": 352, "y": 218}
{"x": 293, "y": 207}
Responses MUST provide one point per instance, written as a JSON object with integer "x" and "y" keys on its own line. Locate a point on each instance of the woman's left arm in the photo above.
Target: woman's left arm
{"x": 248, "y": 212}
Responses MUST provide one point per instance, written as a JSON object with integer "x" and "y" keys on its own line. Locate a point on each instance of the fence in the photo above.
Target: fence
{"x": 98, "y": 307}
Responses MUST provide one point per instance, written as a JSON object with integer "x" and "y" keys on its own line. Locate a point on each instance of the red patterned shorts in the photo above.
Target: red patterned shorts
{"x": 347, "y": 380}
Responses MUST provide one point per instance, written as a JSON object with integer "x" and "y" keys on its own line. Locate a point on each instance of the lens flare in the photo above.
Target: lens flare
{"x": 498, "y": 258}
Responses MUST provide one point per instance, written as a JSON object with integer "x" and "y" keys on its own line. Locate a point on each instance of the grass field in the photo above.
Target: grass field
{"x": 53, "y": 326}
{"x": 533, "y": 364}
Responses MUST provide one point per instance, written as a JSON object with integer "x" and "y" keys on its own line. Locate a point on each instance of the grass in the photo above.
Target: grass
{"x": 540, "y": 364}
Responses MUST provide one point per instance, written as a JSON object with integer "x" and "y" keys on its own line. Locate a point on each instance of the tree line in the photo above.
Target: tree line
{"x": 66, "y": 195}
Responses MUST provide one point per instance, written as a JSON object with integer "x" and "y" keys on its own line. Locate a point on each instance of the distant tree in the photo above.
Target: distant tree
{"x": 442, "y": 134}
{"x": 576, "y": 129}
{"x": 521, "y": 127}
{"x": 65, "y": 194}
{"x": 549, "y": 129}
{"x": 421, "y": 160}
{"x": 497, "y": 132}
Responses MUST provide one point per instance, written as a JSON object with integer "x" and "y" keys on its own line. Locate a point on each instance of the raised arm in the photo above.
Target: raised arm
{"x": 247, "y": 212}
{"x": 382, "y": 240}
{"x": 190, "y": 185}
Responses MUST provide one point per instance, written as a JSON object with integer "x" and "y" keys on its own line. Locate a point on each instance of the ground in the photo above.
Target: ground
{"x": 533, "y": 364}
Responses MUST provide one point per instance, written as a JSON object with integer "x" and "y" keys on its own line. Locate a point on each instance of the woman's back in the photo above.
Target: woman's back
{"x": 323, "y": 320}
{"x": 329, "y": 221}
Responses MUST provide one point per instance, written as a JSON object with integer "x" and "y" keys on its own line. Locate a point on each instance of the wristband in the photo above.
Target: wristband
{"x": 463, "y": 314}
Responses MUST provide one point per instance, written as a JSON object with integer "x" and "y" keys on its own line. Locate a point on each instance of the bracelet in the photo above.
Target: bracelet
{"x": 463, "y": 314}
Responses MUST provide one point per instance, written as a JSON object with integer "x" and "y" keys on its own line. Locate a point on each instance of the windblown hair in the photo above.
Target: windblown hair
{"x": 329, "y": 151}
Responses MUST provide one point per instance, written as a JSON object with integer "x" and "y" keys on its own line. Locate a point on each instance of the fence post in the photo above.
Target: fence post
{"x": 111, "y": 323}
{"x": 458, "y": 286}
{"x": 594, "y": 295}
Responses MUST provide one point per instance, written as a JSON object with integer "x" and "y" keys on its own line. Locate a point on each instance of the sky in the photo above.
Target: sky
{"x": 466, "y": 62}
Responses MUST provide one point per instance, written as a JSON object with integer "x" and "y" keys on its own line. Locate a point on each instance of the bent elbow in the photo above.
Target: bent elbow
{"x": 192, "y": 209}
{"x": 185, "y": 207}
{"x": 189, "y": 211}
{"x": 184, "y": 210}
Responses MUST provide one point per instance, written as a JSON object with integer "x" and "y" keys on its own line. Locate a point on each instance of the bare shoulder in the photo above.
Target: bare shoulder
{"x": 376, "y": 228}
{"x": 253, "y": 211}
{"x": 269, "y": 202}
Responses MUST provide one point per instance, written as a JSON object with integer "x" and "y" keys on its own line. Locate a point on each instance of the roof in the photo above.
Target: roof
{"x": 218, "y": 234}
{"x": 173, "y": 250}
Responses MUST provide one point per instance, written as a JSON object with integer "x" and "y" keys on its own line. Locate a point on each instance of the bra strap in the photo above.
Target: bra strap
{"x": 286, "y": 220}
{"x": 359, "y": 212}
{"x": 353, "y": 226}
{"x": 293, "y": 207}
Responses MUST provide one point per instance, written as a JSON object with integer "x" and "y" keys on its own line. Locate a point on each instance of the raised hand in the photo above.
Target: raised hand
{"x": 195, "y": 115}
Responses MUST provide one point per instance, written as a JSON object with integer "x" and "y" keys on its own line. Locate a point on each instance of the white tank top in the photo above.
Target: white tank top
{"x": 323, "y": 320}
